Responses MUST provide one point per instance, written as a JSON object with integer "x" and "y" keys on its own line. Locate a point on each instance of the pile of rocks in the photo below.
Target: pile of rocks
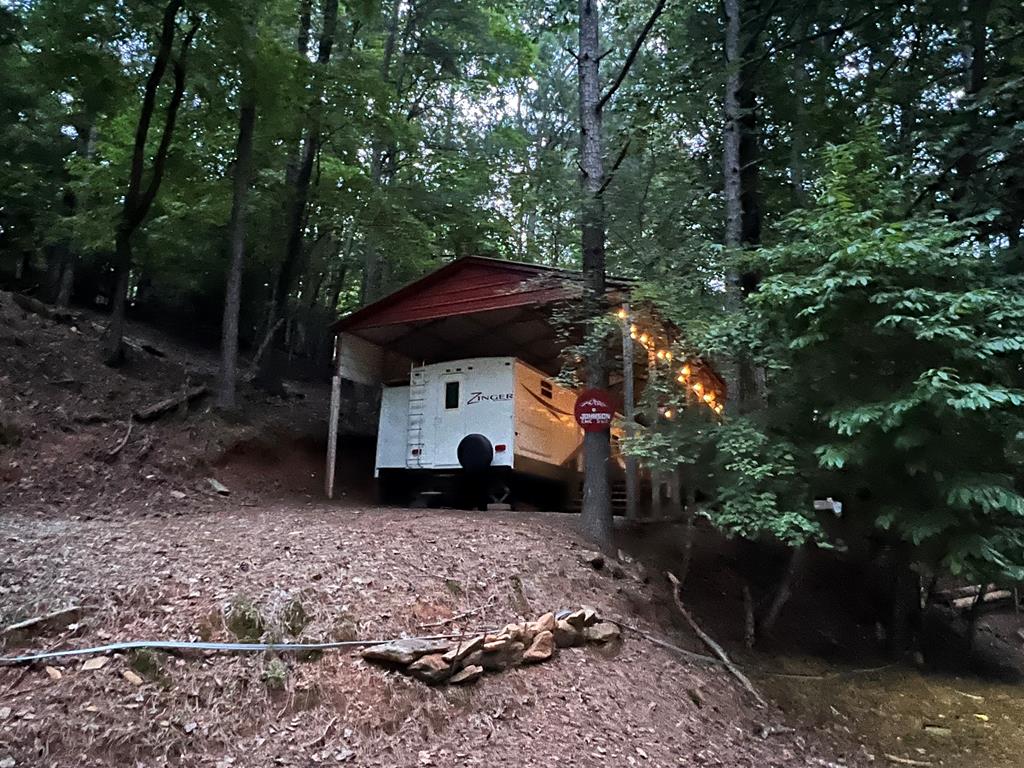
{"x": 464, "y": 661}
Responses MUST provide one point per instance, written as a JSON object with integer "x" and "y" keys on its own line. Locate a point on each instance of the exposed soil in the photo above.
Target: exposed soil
{"x": 371, "y": 573}
{"x": 144, "y": 543}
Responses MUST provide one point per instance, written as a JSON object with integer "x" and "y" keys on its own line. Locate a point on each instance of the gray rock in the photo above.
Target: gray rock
{"x": 431, "y": 669}
{"x": 602, "y": 632}
{"x": 507, "y": 655}
{"x": 566, "y": 635}
{"x": 466, "y": 675}
{"x": 404, "y": 651}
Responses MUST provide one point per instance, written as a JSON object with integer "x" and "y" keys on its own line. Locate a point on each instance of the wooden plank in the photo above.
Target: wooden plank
{"x": 332, "y": 427}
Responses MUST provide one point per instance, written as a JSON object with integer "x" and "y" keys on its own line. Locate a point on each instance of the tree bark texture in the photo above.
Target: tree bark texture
{"x": 236, "y": 232}
{"x": 740, "y": 171}
{"x": 597, "y": 508}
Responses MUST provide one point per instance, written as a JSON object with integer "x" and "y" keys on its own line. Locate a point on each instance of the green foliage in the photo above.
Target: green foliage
{"x": 894, "y": 345}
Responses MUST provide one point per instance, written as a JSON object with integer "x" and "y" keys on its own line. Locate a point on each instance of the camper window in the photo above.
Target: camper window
{"x": 451, "y": 395}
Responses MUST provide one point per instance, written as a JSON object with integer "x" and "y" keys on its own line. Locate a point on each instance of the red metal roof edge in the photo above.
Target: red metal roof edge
{"x": 444, "y": 271}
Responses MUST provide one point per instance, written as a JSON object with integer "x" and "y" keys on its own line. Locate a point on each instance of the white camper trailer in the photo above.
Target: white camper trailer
{"x": 483, "y": 429}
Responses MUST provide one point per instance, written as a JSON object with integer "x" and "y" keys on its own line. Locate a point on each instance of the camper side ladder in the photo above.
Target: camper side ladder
{"x": 417, "y": 408}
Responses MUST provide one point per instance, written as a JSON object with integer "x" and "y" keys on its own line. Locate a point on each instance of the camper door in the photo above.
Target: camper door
{"x": 450, "y": 423}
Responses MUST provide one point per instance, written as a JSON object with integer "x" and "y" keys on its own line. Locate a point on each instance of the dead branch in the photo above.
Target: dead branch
{"x": 631, "y": 57}
{"x": 47, "y": 621}
{"x": 459, "y": 616}
{"x": 36, "y": 307}
{"x": 112, "y": 453}
{"x": 159, "y": 408}
{"x": 905, "y": 760}
{"x": 698, "y": 657}
{"x": 255, "y": 363}
{"x": 710, "y": 643}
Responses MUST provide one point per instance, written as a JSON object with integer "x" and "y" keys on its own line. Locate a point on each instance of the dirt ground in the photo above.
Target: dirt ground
{"x": 367, "y": 573}
{"x": 119, "y": 517}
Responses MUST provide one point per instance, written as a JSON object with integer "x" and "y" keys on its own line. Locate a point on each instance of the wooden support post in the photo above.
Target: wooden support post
{"x": 629, "y": 413}
{"x": 656, "y": 512}
{"x": 332, "y": 427}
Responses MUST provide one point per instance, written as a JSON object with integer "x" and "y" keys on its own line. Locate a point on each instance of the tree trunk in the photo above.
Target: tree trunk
{"x": 784, "y": 590}
{"x": 597, "y": 509}
{"x": 236, "y": 230}
{"x": 271, "y": 371}
{"x": 976, "y": 18}
{"x": 740, "y": 171}
{"x": 137, "y": 201}
{"x": 373, "y": 258}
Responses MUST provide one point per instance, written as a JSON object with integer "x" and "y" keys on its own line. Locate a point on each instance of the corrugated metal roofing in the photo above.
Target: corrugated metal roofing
{"x": 467, "y": 286}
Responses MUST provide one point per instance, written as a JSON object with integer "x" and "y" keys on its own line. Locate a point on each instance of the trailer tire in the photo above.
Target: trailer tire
{"x": 475, "y": 452}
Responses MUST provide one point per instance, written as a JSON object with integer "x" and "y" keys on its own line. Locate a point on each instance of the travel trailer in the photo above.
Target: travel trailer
{"x": 478, "y": 431}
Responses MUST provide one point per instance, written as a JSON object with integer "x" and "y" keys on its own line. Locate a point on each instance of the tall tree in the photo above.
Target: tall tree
{"x": 236, "y": 236}
{"x": 271, "y": 366}
{"x": 137, "y": 199}
{"x": 597, "y": 509}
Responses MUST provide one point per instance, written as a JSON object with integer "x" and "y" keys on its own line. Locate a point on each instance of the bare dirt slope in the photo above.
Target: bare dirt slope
{"x": 65, "y": 445}
{"x": 355, "y": 572}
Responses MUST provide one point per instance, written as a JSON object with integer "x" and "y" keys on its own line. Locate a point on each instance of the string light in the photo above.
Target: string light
{"x": 710, "y": 398}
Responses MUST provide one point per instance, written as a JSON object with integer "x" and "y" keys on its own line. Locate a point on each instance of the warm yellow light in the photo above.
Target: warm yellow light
{"x": 685, "y": 371}
{"x": 668, "y": 413}
{"x": 661, "y": 354}
{"x": 719, "y": 408}
{"x": 622, "y": 313}
{"x": 643, "y": 338}
{"x": 668, "y": 355}
{"x": 698, "y": 387}
{"x": 709, "y": 397}
{"x": 681, "y": 380}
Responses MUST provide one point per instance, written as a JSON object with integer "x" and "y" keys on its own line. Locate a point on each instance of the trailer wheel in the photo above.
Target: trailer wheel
{"x": 475, "y": 452}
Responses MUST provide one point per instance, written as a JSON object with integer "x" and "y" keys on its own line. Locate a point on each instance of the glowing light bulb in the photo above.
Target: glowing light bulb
{"x": 698, "y": 387}
{"x": 719, "y": 408}
{"x": 661, "y": 354}
{"x": 668, "y": 413}
{"x": 668, "y": 355}
{"x": 709, "y": 397}
{"x": 621, "y": 313}
{"x": 685, "y": 371}
{"x": 681, "y": 380}
{"x": 644, "y": 339}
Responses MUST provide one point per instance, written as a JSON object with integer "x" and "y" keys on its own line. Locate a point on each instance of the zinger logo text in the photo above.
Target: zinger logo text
{"x": 476, "y": 397}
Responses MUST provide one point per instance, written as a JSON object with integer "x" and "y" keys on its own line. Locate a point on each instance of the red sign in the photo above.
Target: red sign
{"x": 594, "y": 410}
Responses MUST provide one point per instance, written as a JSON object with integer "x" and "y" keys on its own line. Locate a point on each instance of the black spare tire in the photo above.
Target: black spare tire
{"x": 475, "y": 452}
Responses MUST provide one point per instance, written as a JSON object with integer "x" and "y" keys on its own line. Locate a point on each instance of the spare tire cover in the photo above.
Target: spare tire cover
{"x": 475, "y": 452}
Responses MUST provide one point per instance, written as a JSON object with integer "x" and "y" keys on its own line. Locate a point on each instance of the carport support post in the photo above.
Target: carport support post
{"x": 332, "y": 427}
{"x": 629, "y": 412}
